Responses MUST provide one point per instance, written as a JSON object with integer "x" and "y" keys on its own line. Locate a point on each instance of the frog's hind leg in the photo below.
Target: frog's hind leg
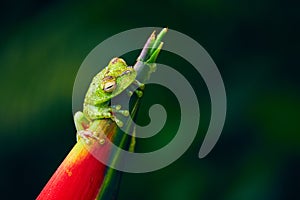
{"x": 81, "y": 124}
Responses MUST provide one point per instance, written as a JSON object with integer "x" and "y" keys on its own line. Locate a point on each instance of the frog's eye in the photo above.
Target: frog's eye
{"x": 109, "y": 86}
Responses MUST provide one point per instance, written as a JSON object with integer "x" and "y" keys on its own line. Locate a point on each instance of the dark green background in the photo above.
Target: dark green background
{"x": 255, "y": 45}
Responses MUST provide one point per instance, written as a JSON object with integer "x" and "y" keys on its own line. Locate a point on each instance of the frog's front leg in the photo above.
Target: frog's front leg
{"x": 138, "y": 91}
{"x": 107, "y": 112}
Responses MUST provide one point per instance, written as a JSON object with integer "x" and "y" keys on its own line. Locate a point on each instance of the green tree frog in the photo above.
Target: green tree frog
{"x": 108, "y": 83}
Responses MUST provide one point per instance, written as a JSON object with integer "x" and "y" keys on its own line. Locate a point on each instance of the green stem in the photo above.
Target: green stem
{"x": 144, "y": 63}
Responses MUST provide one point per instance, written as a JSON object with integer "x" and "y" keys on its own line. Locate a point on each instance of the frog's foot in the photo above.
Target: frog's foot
{"x": 139, "y": 84}
{"x": 86, "y": 135}
{"x": 117, "y": 109}
{"x": 109, "y": 114}
{"x": 129, "y": 92}
{"x": 118, "y": 122}
{"x": 138, "y": 91}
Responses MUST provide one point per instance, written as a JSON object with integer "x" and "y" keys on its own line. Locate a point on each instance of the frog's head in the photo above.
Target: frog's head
{"x": 117, "y": 63}
{"x": 117, "y": 73}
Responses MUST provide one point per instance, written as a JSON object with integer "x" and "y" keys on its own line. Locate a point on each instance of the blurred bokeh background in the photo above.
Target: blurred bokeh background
{"x": 255, "y": 45}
